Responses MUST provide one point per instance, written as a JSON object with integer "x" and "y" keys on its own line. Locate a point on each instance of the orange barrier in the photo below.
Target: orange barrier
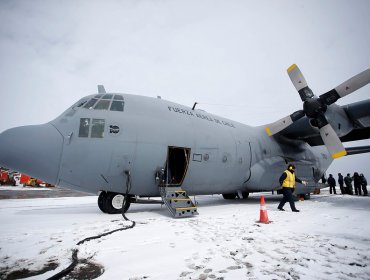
{"x": 4, "y": 176}
{"x": 24, "y": 179}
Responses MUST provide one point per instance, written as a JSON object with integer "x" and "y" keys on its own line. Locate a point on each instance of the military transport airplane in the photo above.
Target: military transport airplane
{"x": 120, "y": 144}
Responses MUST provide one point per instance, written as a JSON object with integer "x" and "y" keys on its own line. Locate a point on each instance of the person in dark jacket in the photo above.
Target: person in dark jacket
{"x": 357, "y": 183}
{"x": 287, "y": 181}
{"x": 341, "y": 182}
{"x": 332, "y": 184}
{"x": 323, "y": 179}
{"x": 348, "y": 182}
{"x": 363, "y": 184}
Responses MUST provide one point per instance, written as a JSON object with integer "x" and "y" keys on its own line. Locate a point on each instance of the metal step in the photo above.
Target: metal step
{"x": 175, "y": 194}
{"x": 181, "y": 202}
{"x": 186, "y": 211}
{"x": 178, "y": 202}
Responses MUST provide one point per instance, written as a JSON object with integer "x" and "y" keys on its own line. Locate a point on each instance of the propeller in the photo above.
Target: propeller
{"x": 315, "y": 107}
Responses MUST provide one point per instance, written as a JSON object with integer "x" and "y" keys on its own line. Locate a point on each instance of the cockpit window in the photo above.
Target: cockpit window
{"x": 84, "y": 127}
{"x": 107, "y": 96}
{"x": 93, "y": 127}
{"x": 112, "y": 102}
{"x": 117, "y": 106}
{"x": 102, "y": 105}
{"x": 91, "y": 103}
{"x": 82, "y": 103}
{"x": 97, "y": 128}
{"x": 118, "y": 97}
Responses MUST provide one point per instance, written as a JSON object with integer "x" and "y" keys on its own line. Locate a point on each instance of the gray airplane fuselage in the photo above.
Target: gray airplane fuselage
{"x": 225, "y": 156}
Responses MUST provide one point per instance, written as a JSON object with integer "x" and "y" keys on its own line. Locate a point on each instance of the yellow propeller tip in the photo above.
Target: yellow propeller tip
{"x": 268, "y": 131}
{"x": 292, "y": 67}
{"x": 339, "y": 154}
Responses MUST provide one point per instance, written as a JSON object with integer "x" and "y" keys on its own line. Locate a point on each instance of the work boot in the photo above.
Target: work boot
{"x": 281, "y": 209}
{"x": 295, "y": 210}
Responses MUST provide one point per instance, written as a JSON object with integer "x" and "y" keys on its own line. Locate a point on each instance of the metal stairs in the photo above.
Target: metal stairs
{"x": 178, "y": 202}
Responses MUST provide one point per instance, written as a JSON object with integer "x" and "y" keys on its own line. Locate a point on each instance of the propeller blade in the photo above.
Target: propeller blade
{"x": 349, "y": 86}
{"x": 279, "y": 125}
{"x": 332, "y": 141}
{"x": 299, "y": 82}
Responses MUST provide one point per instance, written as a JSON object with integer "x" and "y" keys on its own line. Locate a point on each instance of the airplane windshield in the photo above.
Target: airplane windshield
{"x": 118, "y": 97}
{"x": 112, "y": 102}
{"x": 91, "y": 103}
{"x": 80, "y": 103}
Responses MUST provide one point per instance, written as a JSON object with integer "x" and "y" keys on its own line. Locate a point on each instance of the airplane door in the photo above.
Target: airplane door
{"x": 176, "y": 166}
{"x": 247, "y": 157}
{"x": 243, "y": 161}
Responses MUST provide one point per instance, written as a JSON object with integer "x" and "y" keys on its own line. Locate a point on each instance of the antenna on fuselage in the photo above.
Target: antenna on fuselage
{"x": 195, "y": 104}
{"x": 101, "y": 89}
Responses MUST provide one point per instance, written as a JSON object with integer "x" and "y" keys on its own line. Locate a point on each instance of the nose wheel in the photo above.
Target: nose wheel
{"x": 111, "y": 203}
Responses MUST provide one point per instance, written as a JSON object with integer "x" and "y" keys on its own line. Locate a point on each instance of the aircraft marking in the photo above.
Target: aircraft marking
{"x": 200, "y": 116}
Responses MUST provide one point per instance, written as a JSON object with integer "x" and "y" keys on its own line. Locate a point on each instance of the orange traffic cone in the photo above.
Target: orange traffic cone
{"x": 263, "y": 212}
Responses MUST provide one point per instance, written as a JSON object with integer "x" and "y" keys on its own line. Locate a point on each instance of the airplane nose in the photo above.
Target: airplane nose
{"x": 34, "y": 150}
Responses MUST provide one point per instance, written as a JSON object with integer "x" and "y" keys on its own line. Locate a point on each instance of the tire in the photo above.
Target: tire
{"x": 245, "y": 195}
{"x": 101, "y": 201}
{"x": 113, "y": 203}
{"x": 229, "y": 195}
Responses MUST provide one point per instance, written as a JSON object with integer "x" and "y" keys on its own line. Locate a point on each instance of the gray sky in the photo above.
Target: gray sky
{"x": 215, "y": 52}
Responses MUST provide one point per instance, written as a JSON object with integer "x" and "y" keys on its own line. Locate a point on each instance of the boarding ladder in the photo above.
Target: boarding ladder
{"x": 178, "y": 202}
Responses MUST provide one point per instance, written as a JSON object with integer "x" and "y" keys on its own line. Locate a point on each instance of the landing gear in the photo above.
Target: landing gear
{"x": 111, "y": 203}
{"x": 240, "y": 195}
{"x": 245, "y": 195}
{"x": 101, "y": 201}
{"x": 229, "y": 195}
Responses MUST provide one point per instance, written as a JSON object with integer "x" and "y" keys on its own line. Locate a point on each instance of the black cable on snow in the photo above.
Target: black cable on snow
{"x": 126, "y": 199}
{"x": 67, "y": 270}
{"x": 75, "y": 260}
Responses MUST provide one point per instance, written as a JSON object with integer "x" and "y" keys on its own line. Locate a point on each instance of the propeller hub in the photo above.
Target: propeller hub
{"x": 313, "y": 107}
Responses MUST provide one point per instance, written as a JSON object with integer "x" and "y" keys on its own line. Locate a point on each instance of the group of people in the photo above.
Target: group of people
{"x": 288, "y": 179}
{"x": 345, "y": 184}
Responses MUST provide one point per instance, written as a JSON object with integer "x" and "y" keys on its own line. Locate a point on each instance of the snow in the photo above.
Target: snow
{"x": 21, "y": 188}
{"x": 329, "y": 238}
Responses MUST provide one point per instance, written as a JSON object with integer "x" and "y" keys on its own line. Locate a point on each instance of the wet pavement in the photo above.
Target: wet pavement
{"x": 8, "y": 192}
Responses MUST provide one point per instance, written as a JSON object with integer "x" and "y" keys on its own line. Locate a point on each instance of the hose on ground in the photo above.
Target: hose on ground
{"x": 75, "y": 259}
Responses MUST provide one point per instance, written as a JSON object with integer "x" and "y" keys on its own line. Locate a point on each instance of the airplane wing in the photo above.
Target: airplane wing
{"x": 354, "y": 117}
{"x": 358, "y": 150}
{"x": 359, "y": 113}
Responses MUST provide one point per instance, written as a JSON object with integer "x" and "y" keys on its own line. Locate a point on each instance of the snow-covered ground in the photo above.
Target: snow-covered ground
{"x": 21, "y": 188}
{"x": 328, "y": 239}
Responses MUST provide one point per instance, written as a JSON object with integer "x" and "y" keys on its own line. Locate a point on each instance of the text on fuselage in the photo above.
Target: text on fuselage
{"x": 200, "y": 116}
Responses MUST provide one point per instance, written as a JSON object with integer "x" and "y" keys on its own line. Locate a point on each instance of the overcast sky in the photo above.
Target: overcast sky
{"x": 231, "y": 54}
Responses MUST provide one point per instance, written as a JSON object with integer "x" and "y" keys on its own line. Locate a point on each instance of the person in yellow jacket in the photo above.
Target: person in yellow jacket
{"x": 287, "y": 181}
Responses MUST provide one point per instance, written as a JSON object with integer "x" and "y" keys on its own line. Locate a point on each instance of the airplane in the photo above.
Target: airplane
{"x": 130, "y": 149}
